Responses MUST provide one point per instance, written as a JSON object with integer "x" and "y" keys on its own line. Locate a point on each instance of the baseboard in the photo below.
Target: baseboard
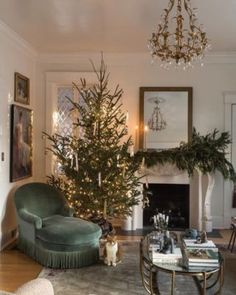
{"x": 7, "y": 238}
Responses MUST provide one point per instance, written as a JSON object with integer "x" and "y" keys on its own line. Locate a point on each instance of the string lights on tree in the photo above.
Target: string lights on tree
{"x": 98, "y": 170}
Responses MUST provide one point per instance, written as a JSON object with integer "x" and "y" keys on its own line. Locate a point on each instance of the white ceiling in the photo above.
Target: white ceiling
{"x": 66, "y": 26}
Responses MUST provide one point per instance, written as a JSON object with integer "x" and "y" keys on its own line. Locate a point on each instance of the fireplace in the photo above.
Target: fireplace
{"x": 172, "y": 199}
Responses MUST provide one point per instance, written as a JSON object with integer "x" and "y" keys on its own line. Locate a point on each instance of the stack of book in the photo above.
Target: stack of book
{"x": 192, "y": 244}
{"x": 172, "y": 258}
{"x": 204, "y": 255}
{"x": 200, "y": 258}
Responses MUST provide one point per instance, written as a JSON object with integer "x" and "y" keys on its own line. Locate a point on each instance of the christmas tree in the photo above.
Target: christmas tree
{"x": 98, "y": 173}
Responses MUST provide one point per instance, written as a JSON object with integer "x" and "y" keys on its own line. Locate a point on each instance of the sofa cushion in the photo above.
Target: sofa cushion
{"x": 58, "y": 229}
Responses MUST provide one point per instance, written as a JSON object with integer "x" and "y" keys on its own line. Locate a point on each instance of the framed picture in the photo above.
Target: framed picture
{"x": 165, "y": 117}
{"x": 22, "y": 89}
{"x": 21, "y": 143}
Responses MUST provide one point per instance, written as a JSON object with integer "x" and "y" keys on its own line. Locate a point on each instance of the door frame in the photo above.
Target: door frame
{"x": 229, "y": 102}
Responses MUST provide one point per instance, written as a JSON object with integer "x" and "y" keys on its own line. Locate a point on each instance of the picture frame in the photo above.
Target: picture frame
{"x": 165, "y": 117}
{"x": 20, "y": 143}
{"x": 22, "y": 89}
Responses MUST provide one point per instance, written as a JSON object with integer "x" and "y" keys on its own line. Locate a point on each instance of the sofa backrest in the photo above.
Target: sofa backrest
{"x": 40, "y": 199}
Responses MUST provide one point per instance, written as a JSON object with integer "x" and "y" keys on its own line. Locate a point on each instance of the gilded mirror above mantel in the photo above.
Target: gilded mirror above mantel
{"x": 165, "y": 117}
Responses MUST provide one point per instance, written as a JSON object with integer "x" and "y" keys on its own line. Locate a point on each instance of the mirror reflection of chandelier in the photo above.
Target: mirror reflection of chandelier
{"x": 156, "y": 122}
{"x": 179, "y": 40}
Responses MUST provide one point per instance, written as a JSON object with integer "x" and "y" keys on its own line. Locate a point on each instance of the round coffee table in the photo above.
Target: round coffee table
{"x": 205, "y": 278}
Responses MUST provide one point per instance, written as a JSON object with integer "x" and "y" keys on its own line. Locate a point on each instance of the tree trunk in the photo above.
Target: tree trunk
{"x": 207, "y": 218}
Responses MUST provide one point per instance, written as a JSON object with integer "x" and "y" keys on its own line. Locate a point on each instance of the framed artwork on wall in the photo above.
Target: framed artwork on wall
{"x": 165, "y": 117}
{"x": 22, "y": 89}
{"x": 21, "y": 143}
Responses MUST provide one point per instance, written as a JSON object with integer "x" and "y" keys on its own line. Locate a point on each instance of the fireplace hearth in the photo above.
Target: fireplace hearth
{"x": 171, "y": 199}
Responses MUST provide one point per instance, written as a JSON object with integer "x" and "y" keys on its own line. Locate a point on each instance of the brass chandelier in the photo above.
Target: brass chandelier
{"x": 186, "y": 43}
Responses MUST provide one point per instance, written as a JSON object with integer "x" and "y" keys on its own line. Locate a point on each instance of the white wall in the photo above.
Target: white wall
{"x": 15, "y": 56}
{"x": 132, "y": 71}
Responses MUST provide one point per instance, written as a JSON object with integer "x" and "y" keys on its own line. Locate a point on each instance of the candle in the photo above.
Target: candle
{"x": 76, "y": 162}
{"x": 136, "y": 138}
{"x": 131, "y": 151}
{"x": 55, "y": 117}
{"x": 71, "y": 161}
{"x": 145, "y": 136}
{"x": 147, "y": 182}
{"x": 99, "y": 179}
{"x": 143, "y": 163}
{"x": 123, "y": 173}
{"x": 167, "y": 219}
{"x": 94, "y": 128}
{"x": 155, "y": 219}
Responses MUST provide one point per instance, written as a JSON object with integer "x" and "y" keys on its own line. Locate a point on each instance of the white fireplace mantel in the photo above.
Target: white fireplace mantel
{"x": 167, "y": 174}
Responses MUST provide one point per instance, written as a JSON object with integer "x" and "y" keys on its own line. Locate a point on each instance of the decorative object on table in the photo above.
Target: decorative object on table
{"x": 160, "y": 221}
{"x": 98, "y": 171}
{"x": 191, "y": 233}
{"x": 112, "y": 251}
{"x": 21, "y": 143}
{"x": 22, "y": 89}
{"x": 168, "y": 243}
{"x": 179, "y": 40}
{"x": 162, "y": 247}
{"x": 203, "y": 237}
{"x": 168, "y": 125}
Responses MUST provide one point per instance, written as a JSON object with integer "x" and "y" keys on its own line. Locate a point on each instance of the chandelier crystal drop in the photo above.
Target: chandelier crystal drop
{"x": 179, "y": 40}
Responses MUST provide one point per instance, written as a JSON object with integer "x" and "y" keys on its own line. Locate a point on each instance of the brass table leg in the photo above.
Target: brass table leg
{"x": 173, "y": 283}
{"x": 204, "y": 284}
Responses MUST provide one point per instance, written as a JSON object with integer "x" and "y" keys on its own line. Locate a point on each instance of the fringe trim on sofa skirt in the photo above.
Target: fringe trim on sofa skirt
{"x": 56, "y": 259}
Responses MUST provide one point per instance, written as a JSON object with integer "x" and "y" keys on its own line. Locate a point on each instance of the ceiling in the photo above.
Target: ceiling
{"x": 72, "y": 26}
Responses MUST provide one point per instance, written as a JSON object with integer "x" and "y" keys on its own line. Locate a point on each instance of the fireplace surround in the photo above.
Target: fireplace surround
{"x": 167, "y": 174}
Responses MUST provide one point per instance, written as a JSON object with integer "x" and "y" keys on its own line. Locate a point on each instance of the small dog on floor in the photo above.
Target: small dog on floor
{"x": 112, "y": 251}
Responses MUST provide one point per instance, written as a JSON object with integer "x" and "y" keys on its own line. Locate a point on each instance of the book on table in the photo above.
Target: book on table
{"x": 169, "y": 258}
{"x": 202, "y": 255}
{"x": 192, "y": 244}
{"x": 200, "y": 258}
{"x": 199, "y": 267}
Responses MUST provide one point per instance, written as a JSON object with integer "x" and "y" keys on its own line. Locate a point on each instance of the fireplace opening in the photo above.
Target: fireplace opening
{"x": 171, "y": 199}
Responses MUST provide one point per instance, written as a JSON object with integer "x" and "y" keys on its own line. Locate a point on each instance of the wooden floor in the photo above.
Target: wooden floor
{"x": 17, "y": 268}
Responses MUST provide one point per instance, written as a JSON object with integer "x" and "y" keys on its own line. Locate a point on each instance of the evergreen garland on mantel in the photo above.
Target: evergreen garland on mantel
{"x": 205, "y": 153}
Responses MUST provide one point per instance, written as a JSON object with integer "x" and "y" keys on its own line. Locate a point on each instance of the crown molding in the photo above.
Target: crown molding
{"x": 126, "y": 59}
{"x": 21, "y": 43}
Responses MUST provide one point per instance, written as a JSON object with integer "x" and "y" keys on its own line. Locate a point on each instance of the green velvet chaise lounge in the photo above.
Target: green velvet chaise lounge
{"x": 48, "y": 232}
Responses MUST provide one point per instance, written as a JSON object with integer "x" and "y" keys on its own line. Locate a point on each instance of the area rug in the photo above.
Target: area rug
{"x": 148, "y": 229}
{"x": 125, "y": 279}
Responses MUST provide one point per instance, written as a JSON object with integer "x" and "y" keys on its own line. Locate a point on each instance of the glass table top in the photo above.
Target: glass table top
{"x": 177, "y": 267}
